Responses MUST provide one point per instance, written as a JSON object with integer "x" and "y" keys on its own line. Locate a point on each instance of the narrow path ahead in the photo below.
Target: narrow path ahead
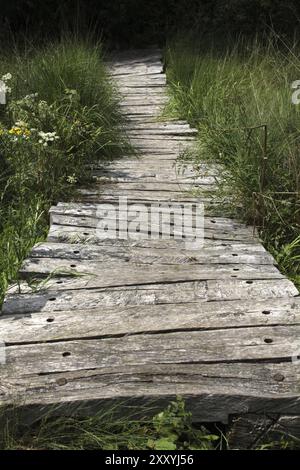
{"x": 150, "y": 318}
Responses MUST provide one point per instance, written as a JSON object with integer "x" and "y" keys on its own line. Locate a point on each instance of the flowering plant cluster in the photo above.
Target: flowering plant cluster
{"x": 42, "y": 143}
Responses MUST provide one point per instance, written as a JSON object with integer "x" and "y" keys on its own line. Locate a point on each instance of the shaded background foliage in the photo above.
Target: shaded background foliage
{"x": 131, "y": 22}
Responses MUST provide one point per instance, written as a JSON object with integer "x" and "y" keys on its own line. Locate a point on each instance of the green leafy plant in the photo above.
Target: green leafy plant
{"x": 174, "y": 430}
{"x": 170, "y": 429}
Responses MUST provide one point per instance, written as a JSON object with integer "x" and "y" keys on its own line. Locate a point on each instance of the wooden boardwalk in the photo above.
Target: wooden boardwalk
{"x": 141, "y": 321}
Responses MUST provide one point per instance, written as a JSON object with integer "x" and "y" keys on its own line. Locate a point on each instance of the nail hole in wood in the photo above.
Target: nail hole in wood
{"x": 76, "y": 252}
{"x": 235, "y": 254}
{"x": 268, "y": 340}
{"x": 279, "y": 377}
{"x": 266, "y": 312}
{"x": 249, "y": 282}
{"x": 66, "y": 354}
{"x": 52, "y": 299}
{"x": 50, "y": 320}
{"x": 73, "y": 265}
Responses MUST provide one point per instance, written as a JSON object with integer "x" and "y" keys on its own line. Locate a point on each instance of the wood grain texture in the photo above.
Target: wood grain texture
{"x": 105, "y": 322}
{"x": 66, "y": 294}
{"x": 211, "y": 391}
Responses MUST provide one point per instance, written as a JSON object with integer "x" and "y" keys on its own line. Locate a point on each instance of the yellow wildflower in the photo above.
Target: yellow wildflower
{"x": 18, "y": 131}
{"x": 15, "y": 130}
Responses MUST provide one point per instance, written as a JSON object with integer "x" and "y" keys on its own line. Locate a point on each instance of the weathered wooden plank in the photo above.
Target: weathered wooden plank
{"x": 93, "y": 275}
{"x": 112, "y": 194}
{"x": 100, "y": 323}
{"x": 147, "y": 162}
{"x": 144, "y": 64}
{"x": 166, "y": 248}
{"x": 146, "y": 197}
{"x": 161, "y": 185}
{"x": 286, "y": 429}
{"x": 257, "y": 431}
{"x": 90, "y": 210}
{"x": 164, "y": 185}
{"x": 90, "y": 227}
{"x": 160, "y": 134}
{"x": 161, "y": 147}
{"x": 136, "y": 71}
{"x": 62, "y": 294}
{"x": 252, "y": 244}
{"x": 153, "y": 219}
{"x": 142, "y": 109}
{"x": 270, "y": 343}
{"x": 148, "y": 177}
{"x": 77, "y": 234}
{"x": 138, "y": 100}
{"x": 152, "y": 176}
{"x": 166, "y": 142}
{"x": 242, "y": 289}
{"x": 151, "y": 256}
{"x": 153, "y": 80}
{"x": 211, "y": 391}
{"x": 149, "y": 91}
{"x": 246, "y": 431}
{"x": 159, "y": 124}
{"x": 154, "y": 59}
{"x": 158, "y": 138}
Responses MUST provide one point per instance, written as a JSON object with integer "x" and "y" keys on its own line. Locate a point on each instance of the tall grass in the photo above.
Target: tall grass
{"x": 74, "y": 98}
{"x": 238, "y": 95}
{"x": 115, "y": 427}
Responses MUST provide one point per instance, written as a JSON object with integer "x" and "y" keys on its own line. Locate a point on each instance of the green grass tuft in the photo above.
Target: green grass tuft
{"x": 62, "y": 88}
{"x": 234, "y": 94}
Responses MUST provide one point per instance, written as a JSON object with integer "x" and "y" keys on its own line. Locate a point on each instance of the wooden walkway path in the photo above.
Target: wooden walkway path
{"x": 145, "y": 320}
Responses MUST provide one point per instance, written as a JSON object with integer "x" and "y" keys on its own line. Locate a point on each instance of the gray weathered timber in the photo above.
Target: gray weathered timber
{"x": 99, "y": 322}
{"x": 139, "y": 320}
{"x": 62, "y": 294}
{"x": 212, "y": 391}
{"x": 272, "y": 343}
{"x": 141, "y": 255}
{"x": 151, "y": 218}
{"x": 254, "y": 431}
{"x": 111, "y": 274}
{"x": 76, "y": 233}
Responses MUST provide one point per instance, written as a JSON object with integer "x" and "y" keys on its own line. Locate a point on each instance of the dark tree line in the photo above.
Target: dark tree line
{"x": 148, "y": 20}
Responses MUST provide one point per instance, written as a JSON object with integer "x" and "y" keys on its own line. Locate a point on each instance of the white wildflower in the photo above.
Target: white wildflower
{"x": 46, "y": 137}
{"x": 30, "y": 97}
{"x": 72, "y": 179}
{"x": 6, "y": 77}
{"x": 21, "y": 124}
{"x": 69, "y": 91}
